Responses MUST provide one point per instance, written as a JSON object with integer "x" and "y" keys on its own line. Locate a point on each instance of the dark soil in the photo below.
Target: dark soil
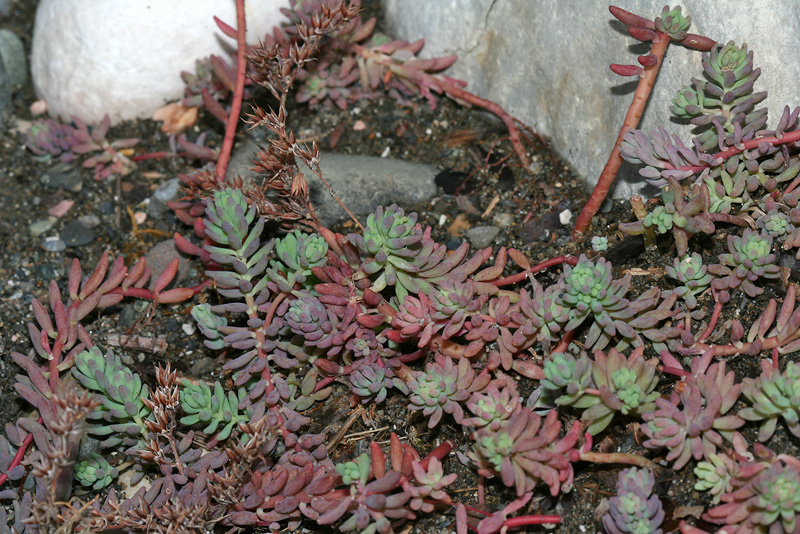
{"x": 481, "y": 184}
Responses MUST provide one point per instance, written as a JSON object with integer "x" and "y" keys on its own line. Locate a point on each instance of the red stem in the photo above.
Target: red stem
{"x": 713, "y": 322}
{"x": 521, "y": 521}
{"x": 236, "y": 105}
{"x": 514, "y": 278}
{"x": 632, "y": 119}
{"x": 15, "y": 461}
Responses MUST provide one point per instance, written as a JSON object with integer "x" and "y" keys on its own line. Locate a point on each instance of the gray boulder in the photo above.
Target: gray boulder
{"x": 546, "y": 62}
{"x": 361, "y": 182}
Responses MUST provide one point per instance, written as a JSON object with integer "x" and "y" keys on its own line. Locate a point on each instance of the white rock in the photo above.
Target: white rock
{"x": 124, "y": 58}
{"x": 546, "y": 62}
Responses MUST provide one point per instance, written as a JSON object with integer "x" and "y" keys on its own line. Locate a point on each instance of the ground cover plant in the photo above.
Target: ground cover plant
{"x": 527, "y": 374}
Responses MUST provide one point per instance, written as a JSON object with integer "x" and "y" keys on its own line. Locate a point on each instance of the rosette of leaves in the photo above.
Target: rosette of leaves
{"x": 663, "y": 155}
{"x": 765, "y": 503}
{"x": 775, "y": 223}
{"x": 301, "y": 394}
{"x": 399, "y": 253}
{"x": 229, "y": 223}
{"x": 452, "y": 302}
{"x": 673, "y": 23}
{"x": 371, "y": 380}
{"x": 442, "y": 386}
{"x": 372, "y": 505}
{"x": 95, "y": 472}
{"x": 693, "y": 423}
{"x": 693, "y": 275}
{"x": 308, "y": 317}
{"x": 625, "y": 384}
{"x": 215, "y": 409}
{"x": 391, "y": 241}
{"x": 748, "y": 259}
{"x": 773, "y": 395}
{"x": 728, "y": 185}
{"x": 492, "y": 408}
{"x": 635, "y": 509}
{"x": 122, "y": 414}
{"x": 725, "y": 98}
{"x": 298, "y": 253}
{"x": 590, "y": 290}
{"x": 683, "y": 218}
{"x": 525, "y": 450}
{"x": 428, "y": 483}
{"x": 716, "y": 475}
{"x": 569, "y": 377}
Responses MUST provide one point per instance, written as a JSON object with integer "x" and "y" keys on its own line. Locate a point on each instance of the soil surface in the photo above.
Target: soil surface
{"x": 481, "y": 184}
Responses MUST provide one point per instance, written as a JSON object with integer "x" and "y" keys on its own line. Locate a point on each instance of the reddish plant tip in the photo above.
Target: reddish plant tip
{"x": 626, "y": 17}
{"x": 648, "y": 60}
{"x": 642, "y": 34}
{"x": 627, "y": 70}
{"x": 698, "y": 42}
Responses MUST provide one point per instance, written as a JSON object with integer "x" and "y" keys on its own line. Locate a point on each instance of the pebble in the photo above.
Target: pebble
{"x": 482, "y": 236}
{"x": 503, "y": 220}
{"x": 362, "y": 182}
{"x": 166, "y": 192}
{"x": 40, "y": 226}
{"x": 90, "y": 221}
{"x": 158, "y": 259}
{"x": 202, "y": 367}
{"x": 12, "y": 54}
{"x": 62, "y": 176}
{"x": 53, "y": 244}
{"x": 76, "y": 234}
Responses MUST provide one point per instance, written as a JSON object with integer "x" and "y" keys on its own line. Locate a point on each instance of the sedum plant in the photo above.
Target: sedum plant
{"x": 635, "y": 509}
{"x": 693, "y": 423}
{"x": 95, "y": 472}
{"x": 215, "y": 409}
{"x": 773, "y": 395}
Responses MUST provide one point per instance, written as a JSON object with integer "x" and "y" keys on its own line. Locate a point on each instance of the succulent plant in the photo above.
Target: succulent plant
{"x": 749, "y": 258}
{"x": 692, "y": 274}
{"x": 775, "y": 223}
{"x": 716, "y": 475}
{"x": 765, "y": 503}
{"x": 50, "y": 138}
{"x": 428, "y": 484}
{"x": 217, "y": 410}
{"x": 635, "y": 509}
{"x": 491, "y": 409}
{"x": 599, "y": 243}
{"x": 95, "y": 471}
{"x": 122, "y": 412}
{"x": 307, "y": 317}
{"x": 298, "y": 253}
{"x": 773, "y": 395}
{"x": 452, "y": 303}
{"x": 442, "y": 386}
{"x": 683, "y": 218}
{"x": 570, "y": 377}
{"x": 209, "y": 324}
{"x": 625, "y": 384}
{"x": 389, "y": 238}
{"x": 673, "y": 23}
{"x": 698, "y": 426}
{"x": 525, "y": 450}
{"x": 372, "y": 506}
{"x": 371, "y": 380}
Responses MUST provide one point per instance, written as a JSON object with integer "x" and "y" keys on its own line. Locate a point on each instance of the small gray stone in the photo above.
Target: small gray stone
{"x": 168, "y": 190}
{"x": 76, "y": 234}
{"x": 503, "y": 220}
{"x": 202, "y": 367}
{"x": 12, "y": 54}
{"x": 40, "y": 226}
{"x": 159, "y": 257}
{"x": 361, "y": 182}
{"x": 53, "y": 244}
{"x": 482, "y": 236}
{"x": 62, "y": 176}
{"x": 90, "y": 221}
